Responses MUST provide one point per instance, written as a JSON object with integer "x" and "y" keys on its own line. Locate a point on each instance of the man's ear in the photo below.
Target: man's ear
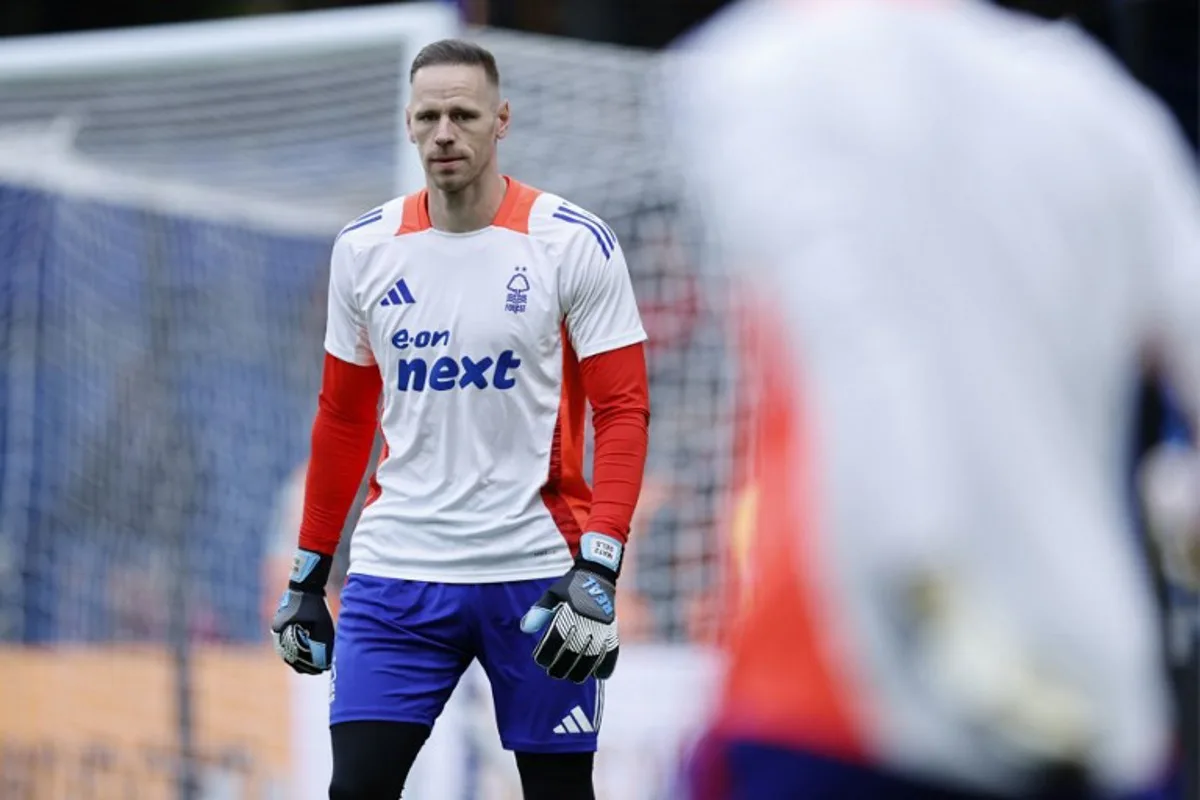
{"x": 504, "y": 114}
{"x": 408, "y": 125}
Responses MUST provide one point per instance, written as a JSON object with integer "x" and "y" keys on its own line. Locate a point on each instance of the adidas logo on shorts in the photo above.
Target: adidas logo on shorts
{"x": 575, "y": 722}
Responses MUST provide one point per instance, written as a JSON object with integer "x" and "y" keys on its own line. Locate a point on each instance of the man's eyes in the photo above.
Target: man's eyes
{"x": 456, "y": 116}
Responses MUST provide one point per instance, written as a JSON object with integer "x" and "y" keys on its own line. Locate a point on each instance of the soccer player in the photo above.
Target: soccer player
{"x": 487, "y": 314}
{"x": 965, "y": 229}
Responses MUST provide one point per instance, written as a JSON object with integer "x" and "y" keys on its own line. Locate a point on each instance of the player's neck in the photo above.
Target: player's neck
{"x": 471, "y": 208}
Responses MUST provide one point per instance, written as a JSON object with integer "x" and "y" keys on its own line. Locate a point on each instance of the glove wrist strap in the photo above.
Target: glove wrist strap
{"x": 310, "y": 571}
{"x": 601, "y": 554}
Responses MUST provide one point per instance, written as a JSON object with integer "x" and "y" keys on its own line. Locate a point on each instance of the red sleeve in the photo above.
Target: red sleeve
{"x": 616, "y": 387}
{"x": 342, "y": 435}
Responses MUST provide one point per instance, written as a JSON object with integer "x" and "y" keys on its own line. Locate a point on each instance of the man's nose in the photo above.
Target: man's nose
{"x": 444, "y": 134}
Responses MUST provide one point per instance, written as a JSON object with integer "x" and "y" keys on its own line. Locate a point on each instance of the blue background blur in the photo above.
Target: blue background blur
{"x": 135, "y": 427}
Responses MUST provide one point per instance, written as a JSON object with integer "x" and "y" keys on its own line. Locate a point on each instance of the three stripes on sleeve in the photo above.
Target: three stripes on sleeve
{"x": 604, "y": 236}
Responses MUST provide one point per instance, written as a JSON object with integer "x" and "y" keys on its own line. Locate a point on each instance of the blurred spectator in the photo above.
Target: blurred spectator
{"x": 670, "y": 561}
{"x": 634, "y": 605}
{"x": 137, "y": 599}
{"x": 666, "y": 284}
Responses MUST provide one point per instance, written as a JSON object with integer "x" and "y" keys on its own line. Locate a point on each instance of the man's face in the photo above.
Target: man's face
{"x": 455, "y": 118}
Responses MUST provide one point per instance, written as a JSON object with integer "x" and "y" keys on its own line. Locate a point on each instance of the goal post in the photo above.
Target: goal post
{"x": 239, "y": 44}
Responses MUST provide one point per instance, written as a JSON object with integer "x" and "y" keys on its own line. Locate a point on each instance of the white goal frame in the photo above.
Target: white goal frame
{"x": 226, "y": 41}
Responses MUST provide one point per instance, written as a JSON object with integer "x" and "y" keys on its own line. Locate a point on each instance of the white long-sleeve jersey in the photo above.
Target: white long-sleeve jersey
{"x": 968, "y": 227}
{"x": 478, "y": 338}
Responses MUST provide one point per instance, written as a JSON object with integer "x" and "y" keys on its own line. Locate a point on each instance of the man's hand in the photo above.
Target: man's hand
{"x": 578, "y": 615}
{"x": 975, "y": 663}
{"x": 303, "y": 628}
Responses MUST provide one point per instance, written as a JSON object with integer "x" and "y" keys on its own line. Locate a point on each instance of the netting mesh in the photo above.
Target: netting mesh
{"x": 168, "y": 389}
{"x": 155, "y": 397}
{"x": 319, "y": 131}
{"x": 163, "y": 262}
{"x": 585, "y": 126}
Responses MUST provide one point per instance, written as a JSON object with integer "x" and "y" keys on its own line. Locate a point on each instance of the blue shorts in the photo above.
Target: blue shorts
{"x": 743, "y": 770}
{"x": 402, "y": 646}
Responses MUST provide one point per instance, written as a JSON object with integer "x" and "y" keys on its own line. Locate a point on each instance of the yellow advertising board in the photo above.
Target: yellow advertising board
{"x": 99, "y": 722}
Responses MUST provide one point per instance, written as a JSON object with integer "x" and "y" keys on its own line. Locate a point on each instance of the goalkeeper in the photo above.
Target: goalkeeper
{"x": 487, "y": 314}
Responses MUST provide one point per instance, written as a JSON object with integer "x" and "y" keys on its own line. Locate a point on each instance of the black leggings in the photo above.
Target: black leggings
{"x": 371, "y": 761}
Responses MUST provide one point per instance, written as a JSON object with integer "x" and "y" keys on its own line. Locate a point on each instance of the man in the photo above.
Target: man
{"x": 964, "y": 229}
{"x": 488, "y": 313}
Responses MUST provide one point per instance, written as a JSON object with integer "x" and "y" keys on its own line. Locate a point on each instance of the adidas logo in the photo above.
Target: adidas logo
{"x": 575, "y": 722}
{"x": 398, "y": 295}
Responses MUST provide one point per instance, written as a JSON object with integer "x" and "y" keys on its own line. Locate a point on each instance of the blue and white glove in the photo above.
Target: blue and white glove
{"x": 303, "y": 627}
{"x": 577, "y": 615}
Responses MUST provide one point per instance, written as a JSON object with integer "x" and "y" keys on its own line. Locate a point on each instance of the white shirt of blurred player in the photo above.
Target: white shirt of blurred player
{"x": 478, "y": 338}
{"x": 968, "y": 224}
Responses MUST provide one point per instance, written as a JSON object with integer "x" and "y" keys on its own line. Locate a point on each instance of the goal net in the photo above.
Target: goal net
{"x": 585, "y": 126}
{"x": 167, "y": 201}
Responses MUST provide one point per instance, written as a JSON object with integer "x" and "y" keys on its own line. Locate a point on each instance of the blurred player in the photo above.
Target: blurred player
{"x": 488, "y": 313}
{"x": 965, "y": 228}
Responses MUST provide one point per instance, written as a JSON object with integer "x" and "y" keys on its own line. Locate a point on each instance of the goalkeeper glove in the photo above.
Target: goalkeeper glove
{"x": 303, "y": 628}
{"x": 578, "y": 615}
{"x": 979, "y": 666}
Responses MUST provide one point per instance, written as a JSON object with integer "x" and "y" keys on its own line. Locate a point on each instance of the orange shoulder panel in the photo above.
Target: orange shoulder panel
{"x": 515, "y": 209}
{"x": 416, "y": 214}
